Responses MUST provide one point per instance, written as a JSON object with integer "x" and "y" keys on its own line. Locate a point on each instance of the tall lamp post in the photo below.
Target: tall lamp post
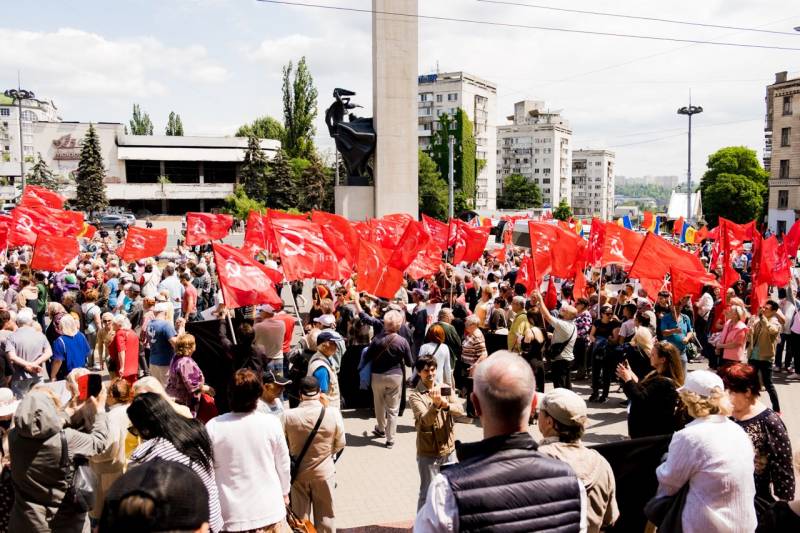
{"x": 689, "y": 111}
{"x": 19, "y": 95}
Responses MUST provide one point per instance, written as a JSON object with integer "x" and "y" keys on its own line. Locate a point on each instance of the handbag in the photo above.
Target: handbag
{"x": 294, "y": 468}
{"x": 298, "y": 525}
{"x": 557, "y": 348}
{"x": 666, "y": 511}
{"x": 81, "y": 479}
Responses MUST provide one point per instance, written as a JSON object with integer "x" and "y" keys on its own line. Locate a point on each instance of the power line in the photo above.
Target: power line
{"x": 647, "y": 141}
{"x": 530, "y": 27}
{"x": 634, "y": 17}
{"x": 651, "y": 132}
{"x": 669, "y": 136}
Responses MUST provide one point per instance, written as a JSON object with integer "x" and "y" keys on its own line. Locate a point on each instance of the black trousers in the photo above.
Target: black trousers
{"x": 783, "y": 343}
{"x": 559, "y": 371}
{"x": 765, "y": 370}
{"x": 604, "y": 365}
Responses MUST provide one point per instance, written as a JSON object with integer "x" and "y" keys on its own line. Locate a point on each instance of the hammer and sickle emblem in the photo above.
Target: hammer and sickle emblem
{"x": 616, "y": 247}
{"x": 24, "y": 223}
{"x": 232, "y": 269}
{"x": 137, "y": 241}
{"x": 293, "y": 248}
{"x": 199, "y": 226}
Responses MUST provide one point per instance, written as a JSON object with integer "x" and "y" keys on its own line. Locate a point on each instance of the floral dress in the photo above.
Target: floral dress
{"x": 773, "y": 455}
{"x": 185, "y": 382}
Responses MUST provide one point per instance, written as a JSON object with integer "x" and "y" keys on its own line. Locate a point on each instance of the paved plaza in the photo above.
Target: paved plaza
{"x": 377, "y": 486}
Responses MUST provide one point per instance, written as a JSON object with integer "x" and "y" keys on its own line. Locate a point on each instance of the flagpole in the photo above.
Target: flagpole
{"x": 222, "y": 297}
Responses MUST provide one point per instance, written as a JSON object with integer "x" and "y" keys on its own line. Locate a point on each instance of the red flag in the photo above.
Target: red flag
{"x": 88, "y": 231}
{"x": 701, "y": 235}
{"x": 304, "y": 252}
{"x": 5, "y": 223}
{"x": 620, "y": 245}
{"x": 579, "y": 284}
{"x": 414, "y": 239}
{"x": 243, "y": 281}
{"x": 526, "y": 275}
{"x": 677, "y": 228}
{"x": 470, "y": 242}
{"x": 439, "y": 231}
{"x": 427, "y": 262}
{"x": 737, "y": 233}
{"x": 256, "y": 234}
{"x": 758, "y": 294}
{"x": 202, "y": 228}
{"x": 30, "y": 221}
{"x": 53, "y": 252}
{"x": 730, "y": 240}
{"x": 657, "y": 255}
{"x": 647, "y": 220}
{"x": 551, "y": 296}
{"x": 499, "y": 254}
{"x": 567, "y": 254}
{"x": 363, "y": 230}
{"x": 792, "y": 239}
{"x": 691, "y": 283}
{"x": 387, "y": 232}
{"x": 142, "y": 242}
{"x": 594, "y": 250}
{"x": 374, "y": 275}
{"x": 775, "y": 263}
{"x": 34, "y": 196}
{"x": 341, "y": 237}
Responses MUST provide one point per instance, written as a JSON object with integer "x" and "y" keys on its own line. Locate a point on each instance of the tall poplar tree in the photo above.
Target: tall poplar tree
{"x": 140, "y": 122}
{"x": 174, "y": 125}
{"x": 90, "y": 176}
{"x": 299, "y": 110}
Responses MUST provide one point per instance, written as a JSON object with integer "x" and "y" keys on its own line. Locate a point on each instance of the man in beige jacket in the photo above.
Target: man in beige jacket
{"x": 315, "y": 478}
{"x": 434, "y": 411}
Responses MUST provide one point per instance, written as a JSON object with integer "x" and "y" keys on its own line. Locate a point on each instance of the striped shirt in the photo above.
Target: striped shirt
{"x": 160, "y": 448}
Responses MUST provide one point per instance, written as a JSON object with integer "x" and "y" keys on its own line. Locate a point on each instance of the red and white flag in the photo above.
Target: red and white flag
{"x": 143, "y": 242}
{"x": 202, "y": 228}
{"x": 52, "y": 252}
{"x": 34, "y": 196}
{"x": 304, "y": 252}
{"x": 243, "y": 280}
{"x": 27, "y": 222}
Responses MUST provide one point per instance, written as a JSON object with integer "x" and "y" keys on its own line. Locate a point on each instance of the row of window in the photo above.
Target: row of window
{"x": 428, "y": 97}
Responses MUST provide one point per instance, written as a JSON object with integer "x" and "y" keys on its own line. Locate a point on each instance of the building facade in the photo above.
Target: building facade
{"x": 537, "y": 145}
{"x": 782, "y": 151}
{"x": 444, "y": 93}
{"x": 593, "y": 183}
{"x": 149, "y": 173}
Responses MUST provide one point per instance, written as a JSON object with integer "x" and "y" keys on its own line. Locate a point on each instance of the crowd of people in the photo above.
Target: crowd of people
{"x": 133, "y": 399}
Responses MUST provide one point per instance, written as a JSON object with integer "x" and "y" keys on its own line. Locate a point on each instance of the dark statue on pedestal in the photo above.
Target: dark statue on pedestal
{"x": 355, "y": 138}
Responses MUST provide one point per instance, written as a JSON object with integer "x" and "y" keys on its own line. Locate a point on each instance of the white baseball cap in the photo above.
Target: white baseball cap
{"x": 326, "y": 320}
{"x": 702, "y": 383}
{"x": 266, "y": 308}
{"x": 8, "y": 404}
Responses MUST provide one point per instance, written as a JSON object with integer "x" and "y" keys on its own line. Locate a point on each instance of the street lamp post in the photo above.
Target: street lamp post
{"x": 19, "y": 95}
{"x": 689, "y": 111}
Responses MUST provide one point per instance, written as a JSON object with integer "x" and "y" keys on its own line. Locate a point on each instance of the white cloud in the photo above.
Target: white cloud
{"x": 72, "y": 61}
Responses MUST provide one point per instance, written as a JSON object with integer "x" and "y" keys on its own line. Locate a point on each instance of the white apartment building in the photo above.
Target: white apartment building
{"x": 446, "y": 92}
{"x": 593, "y": 183}
{"x": 537, "y": 145}
{"x": 33, "y": 110}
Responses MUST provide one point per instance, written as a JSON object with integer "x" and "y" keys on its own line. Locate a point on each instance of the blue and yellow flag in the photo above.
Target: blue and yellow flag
{"x": 688, "y": 234}
{"x": 656, "y": 225}
{"x": 626, "y": 222}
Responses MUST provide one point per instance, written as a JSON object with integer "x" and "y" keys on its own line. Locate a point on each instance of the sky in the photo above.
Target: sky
{"x": 218, "y": 64}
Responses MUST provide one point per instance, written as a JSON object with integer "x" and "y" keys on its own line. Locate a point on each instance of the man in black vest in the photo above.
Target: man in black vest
{"x": 503, "y": 483}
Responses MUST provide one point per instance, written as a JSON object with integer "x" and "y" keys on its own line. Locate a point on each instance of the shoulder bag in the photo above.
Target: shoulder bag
{"x": 295, "y": 462}
{"x": 666, "y": 512}
{"x": 81, "y": 479}
{"x": 557, "y": 347}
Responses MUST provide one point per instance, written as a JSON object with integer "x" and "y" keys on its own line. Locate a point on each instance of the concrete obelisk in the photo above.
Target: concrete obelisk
{"x": 394, "y": 97}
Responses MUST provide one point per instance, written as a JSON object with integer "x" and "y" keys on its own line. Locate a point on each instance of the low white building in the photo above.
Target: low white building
{"x": 149, "y": 173}
{"x": 593, "y": 183}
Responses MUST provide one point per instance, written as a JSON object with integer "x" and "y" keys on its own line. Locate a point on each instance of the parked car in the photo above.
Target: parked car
{"x": 109, "y": 221}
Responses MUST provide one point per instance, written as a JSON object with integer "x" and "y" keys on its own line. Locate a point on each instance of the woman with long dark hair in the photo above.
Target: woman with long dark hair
{"x": 167, "y": 435}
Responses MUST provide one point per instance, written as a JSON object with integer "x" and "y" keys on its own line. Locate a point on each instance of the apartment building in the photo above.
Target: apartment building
{"x": 536, "y": 144}
{"x": 445, "y": 93}
{"x": 782, "y": 151}
{"x": 593, "y": 183}
{"x": 33, "y": 110}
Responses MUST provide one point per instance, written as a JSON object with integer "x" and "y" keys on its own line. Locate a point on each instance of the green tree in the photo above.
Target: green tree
{"x": 732, "y": 161}
{"x": 140, "y": 122}
{"x": 519, "y": 193}
{"x": 41, "y": 175}
{"x": 563, "y": 211}
{"x": 735, "y": 197}
{"x": 432, "y": 189}
{"x": 316, "y": 187}
{"x": 174, "y": 125}
{"x": 263, "y": 128}
{"x": 299, "y": 110}
{"x": 239, "y": 204}
{"x": 282, "y": 189}
{"x": 254, "y": 173}
{"x": 90, "y": 176}
{"x": 465, "y": 163}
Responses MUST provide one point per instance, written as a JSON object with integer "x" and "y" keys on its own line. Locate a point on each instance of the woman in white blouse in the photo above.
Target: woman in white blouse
{"x": 715, "y": 457}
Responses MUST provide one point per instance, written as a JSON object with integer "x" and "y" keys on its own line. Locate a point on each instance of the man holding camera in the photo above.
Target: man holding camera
{"x": 434, "y": 410}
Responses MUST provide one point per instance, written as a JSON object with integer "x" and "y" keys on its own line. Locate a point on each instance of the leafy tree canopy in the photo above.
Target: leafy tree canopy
{"x": 264, "y": 128}
{"x": 519, "y": 193}
{"x": 174, "y": 125}
{"x": 734, "y": 160}
{"x": 140, "y": 122}
{"x": 41, "y": 175}
{"x": 299, "y": 110}
{"x": 239, "y": 204}
{"x": 254, "y": 173}
{"x": 433, "y": 191}
{"x": 563, "y": 211}
{"x": 735, "y": 197}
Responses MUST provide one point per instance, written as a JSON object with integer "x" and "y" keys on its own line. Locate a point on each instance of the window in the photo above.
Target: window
{"x": 783, "y": 199}
{"x": 425, "y": 97}
{"x": 439, "y": 98}
{"x": 785, "y": 134}
{"x": 452, "y": 97}
{"x": 784, "y": 171}
{"x": 546, "y": 171}
{"x": 781, "y": 227}
{"x": 5, "y": 112}
{"x": 787, "y": 105}
{"x": 597, "y": 163}
{"x": 546, "y": 180}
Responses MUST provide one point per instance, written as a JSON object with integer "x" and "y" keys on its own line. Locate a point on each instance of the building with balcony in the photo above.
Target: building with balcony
{"x": 536, "y": 144}
{"x": 149, "y": 173}
{"x": 444, "y": 93}
{"x": 593, "y": 183}
{"x": 33, "y": 110}
{"x": 782, "y": 151}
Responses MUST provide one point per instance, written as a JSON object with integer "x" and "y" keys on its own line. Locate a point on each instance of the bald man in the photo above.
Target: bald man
{"x": 503, "y": 483}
